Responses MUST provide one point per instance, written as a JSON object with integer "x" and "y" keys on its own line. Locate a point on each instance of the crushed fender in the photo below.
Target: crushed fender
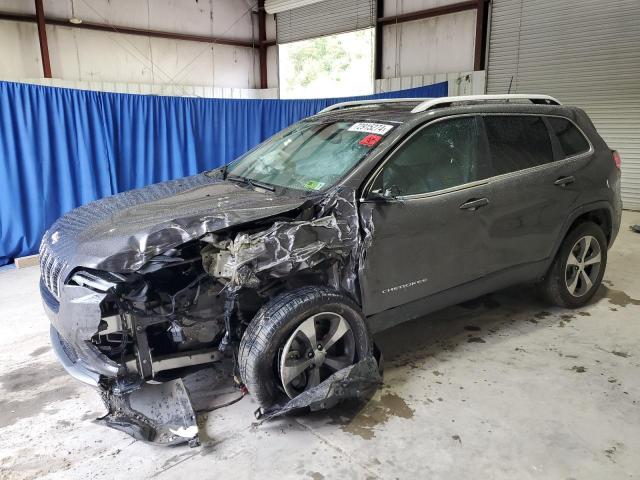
{"x": 187, "y": 282}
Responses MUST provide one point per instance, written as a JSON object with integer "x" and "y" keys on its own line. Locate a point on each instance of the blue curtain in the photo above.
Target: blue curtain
{"x": 61, "y": 148}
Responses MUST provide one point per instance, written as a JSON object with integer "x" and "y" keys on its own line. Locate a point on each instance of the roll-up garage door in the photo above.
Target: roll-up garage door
{"x": 324, "y": 18}
{"x": 584, "y": 52}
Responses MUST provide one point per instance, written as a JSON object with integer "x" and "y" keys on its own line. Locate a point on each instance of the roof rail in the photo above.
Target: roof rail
{"x": 447, "y": 101}
{"x": 357, "y": 103}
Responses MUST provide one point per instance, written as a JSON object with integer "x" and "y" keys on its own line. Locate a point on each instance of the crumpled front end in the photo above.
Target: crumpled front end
{"x": 135, "y": 334}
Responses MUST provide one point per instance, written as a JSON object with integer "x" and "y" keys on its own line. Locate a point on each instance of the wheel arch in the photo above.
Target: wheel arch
{"x": 600, "y": 213}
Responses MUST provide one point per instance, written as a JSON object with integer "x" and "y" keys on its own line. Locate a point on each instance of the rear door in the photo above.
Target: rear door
{"x": 536, "y": 184}
{"x": 430, "y": 238}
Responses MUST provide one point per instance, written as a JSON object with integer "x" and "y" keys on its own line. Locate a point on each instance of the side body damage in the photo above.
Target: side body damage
{"x": 182, "y": 309}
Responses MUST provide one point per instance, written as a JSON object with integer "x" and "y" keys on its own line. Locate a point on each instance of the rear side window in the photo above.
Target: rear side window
{"x": 517, "y": 142}
{"x": 570, "y": 138}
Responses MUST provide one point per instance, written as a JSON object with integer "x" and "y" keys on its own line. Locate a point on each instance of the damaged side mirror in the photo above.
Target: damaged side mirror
{"x": 388, "y": 195}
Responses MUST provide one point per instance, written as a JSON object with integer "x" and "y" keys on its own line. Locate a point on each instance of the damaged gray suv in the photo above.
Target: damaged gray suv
{"x": 285, "y": 261}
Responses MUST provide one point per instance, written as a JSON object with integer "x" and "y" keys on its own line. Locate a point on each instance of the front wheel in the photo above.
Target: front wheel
{"x": 297, "y": 340}
{"x": 577, "y": 270}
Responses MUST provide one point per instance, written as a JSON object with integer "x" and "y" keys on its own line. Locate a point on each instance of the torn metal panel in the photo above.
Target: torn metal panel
{"x": 155, "y": 413}
{"x": 332, "y": 236}
{"x": 355, "y": 382}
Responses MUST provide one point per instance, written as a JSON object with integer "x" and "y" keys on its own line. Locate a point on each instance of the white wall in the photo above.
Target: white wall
{"x": 433, "y": 45}
{"x": 94, "y": 56}
{"x": 459, "y": 83}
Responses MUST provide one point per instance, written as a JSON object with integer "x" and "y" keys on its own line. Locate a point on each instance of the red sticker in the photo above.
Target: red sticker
{"x": 370, "y": 140}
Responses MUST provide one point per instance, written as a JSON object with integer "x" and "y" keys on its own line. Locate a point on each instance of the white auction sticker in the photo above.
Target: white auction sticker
{"x": 378, "y": 128}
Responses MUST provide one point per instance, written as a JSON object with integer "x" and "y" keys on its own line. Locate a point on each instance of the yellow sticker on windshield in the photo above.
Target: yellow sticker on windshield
{"x": 313, "y": 185}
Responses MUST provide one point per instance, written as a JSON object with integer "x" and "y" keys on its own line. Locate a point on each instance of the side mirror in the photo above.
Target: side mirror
{"x": 389, "y": 195}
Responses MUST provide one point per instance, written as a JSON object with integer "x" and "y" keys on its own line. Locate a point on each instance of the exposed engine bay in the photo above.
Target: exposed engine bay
{"x": 190, "y": 305}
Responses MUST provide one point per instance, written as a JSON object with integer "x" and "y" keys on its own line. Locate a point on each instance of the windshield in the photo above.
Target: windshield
{"x": 310, "y": 156}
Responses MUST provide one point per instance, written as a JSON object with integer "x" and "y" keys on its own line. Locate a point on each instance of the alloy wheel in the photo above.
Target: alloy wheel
{"x": 583, "y": 265}
{"x": 321, "y": 345}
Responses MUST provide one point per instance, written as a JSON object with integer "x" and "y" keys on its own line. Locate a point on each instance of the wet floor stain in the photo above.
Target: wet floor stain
{"x": 13, "y": 410}
{"x": 612, "y": 451}
{"x": 621, "y": 354}
{"x": 578, "y": 369}
{"x": 542, "y": 315}
{"x": 472, "y": 328}
{"x": 584, "y": 314}
{"x": 476, "y": 340}
{"x": 35, "y": 386}
{"x": 30, "y": 376}
{"x": 377, "y": 411}
{"x": 615, "y": 297}
{"x": 39, "y": 351}
{"x": 457, "y": 438}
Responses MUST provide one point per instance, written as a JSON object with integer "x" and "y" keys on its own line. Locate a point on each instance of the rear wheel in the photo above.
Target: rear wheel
{"x": 577, "y": 271}
{"x": 299, "y": 339}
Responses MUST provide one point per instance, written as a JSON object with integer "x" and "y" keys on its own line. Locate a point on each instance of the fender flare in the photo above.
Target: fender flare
{"x": 574, "y": 215}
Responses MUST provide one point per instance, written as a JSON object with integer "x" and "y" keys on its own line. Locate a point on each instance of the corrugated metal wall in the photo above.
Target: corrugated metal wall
{"x": 585, "y": 53}
{"x": 325, "y": 18}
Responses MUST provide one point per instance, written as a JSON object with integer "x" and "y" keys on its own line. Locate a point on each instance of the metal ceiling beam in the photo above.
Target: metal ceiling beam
{"x": 42, "y": 37}
{"x": 429, "y": 12}
{"x": 62, "y": 22}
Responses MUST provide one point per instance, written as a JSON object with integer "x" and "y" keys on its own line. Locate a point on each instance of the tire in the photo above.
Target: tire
{"x": 270, "y": 331}
{"x": 557, "y": 284}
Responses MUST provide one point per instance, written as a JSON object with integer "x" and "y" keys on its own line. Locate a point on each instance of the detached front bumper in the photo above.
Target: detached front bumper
{"x": 161, "y": 414}
{"x": 74, "y": 320}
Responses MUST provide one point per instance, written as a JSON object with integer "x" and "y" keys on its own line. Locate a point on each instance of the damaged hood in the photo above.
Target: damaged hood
{"x": 121, "y": 233}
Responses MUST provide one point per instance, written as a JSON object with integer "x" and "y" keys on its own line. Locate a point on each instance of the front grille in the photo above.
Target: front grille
{"x": 48, "y": 298}
{"x": 50, "y": 268}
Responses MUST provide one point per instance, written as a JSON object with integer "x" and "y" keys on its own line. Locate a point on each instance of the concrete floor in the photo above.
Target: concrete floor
{"x": 504, "y": 387}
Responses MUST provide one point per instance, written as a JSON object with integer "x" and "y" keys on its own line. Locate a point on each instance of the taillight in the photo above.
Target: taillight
{"x": 616, "y": 159}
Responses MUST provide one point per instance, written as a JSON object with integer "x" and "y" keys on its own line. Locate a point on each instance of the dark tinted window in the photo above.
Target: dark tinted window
{"x": 439, "y": 156}
{"x": 517, "y": 142}
{"x": 570, "y": 138}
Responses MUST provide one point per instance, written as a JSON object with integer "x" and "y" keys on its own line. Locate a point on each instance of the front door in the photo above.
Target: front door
{"x": 423, "y": 211}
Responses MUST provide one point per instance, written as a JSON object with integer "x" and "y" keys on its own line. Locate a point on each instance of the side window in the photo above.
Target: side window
{"x": 439, "y": 156}
{"x": 570, "y": 138}
{"x": 517, "y": 142}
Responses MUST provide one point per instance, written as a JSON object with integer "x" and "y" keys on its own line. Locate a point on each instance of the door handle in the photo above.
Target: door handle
{"x": 474, "y": 204}
{"x": 564, "y": 181}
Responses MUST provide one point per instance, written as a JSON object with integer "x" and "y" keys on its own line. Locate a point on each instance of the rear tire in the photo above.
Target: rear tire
{"x": 276, "y": 328}
{"x": 576, "y": 273}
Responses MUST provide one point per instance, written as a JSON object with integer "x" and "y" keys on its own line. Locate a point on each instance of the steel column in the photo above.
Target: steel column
{"x": 42, "y": 37}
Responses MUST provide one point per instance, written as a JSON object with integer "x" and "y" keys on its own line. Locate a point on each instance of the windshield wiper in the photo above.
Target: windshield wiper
{"x": 250, "y": 181}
